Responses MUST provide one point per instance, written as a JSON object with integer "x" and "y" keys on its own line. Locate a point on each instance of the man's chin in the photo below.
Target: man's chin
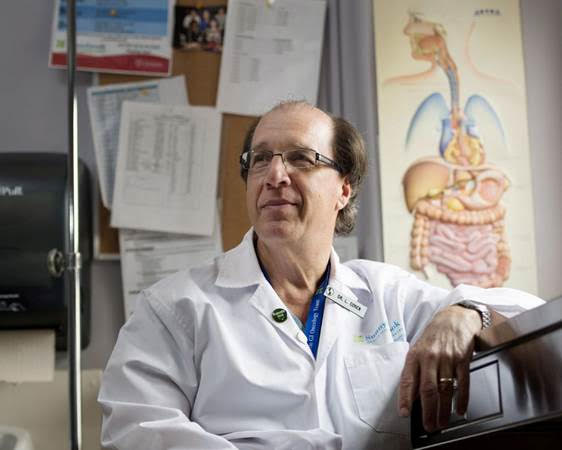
{"x": 279, "y": 230}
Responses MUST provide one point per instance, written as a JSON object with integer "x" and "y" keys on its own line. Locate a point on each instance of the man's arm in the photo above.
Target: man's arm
{"x": 438, "y": 364}
{"x": 149, "y": 386}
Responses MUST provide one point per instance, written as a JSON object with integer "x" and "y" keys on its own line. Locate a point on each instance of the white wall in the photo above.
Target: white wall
{"x": 33, "y": 118}
{"x": 542, "y": 46}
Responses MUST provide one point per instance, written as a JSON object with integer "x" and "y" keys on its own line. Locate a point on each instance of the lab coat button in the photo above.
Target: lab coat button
{"x": 279, "y": 315}
{"x": 302, "y": 338}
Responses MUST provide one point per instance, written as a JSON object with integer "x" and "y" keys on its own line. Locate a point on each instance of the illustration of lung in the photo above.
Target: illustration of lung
{"x": 454, "y": 196}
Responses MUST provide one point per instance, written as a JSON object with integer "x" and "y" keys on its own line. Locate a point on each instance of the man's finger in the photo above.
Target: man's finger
{"x": 429, "y": 395}
{"x": 408, "y": 384}
{"x": 463, "y": 378}
{"x": 446, "y": 387}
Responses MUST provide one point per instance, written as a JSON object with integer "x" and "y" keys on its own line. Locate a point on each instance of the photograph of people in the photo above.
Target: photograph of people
{"x": 199, "y": 28}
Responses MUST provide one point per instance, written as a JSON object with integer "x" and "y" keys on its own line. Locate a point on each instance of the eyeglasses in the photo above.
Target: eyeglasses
{"x": 256, "y": 161}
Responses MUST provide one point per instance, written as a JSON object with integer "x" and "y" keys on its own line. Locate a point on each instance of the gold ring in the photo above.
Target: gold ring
{"x": 452, "y": 381}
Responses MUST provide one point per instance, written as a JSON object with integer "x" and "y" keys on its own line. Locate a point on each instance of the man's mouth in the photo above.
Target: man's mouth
{"x": 277, "y": 203}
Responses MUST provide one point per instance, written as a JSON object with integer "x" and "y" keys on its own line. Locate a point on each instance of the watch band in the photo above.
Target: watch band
{"x": 485, "y": 314}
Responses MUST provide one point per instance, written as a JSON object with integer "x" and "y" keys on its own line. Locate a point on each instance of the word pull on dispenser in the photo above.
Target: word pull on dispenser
{"x": 33, "y": 219}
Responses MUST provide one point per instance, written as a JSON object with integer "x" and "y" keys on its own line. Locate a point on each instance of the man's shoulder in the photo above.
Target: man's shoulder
{"x": 188, "y": 283}
{"x": 200, "y": 282}
{"x": 375, "y": 269}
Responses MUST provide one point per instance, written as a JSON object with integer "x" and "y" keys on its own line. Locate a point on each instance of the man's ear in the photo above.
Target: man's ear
{"x": 345, "y": 194}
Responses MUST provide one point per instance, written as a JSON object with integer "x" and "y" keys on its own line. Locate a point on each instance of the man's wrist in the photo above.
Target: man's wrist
{"x": 481, "y": 309}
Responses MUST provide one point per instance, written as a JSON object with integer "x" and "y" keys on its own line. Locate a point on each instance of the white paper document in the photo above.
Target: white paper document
{"x": 167, "y": 168}
{"x": 271, "y": 53}
{"x": 148, "y": 257}
{"x": 104, "y": 104}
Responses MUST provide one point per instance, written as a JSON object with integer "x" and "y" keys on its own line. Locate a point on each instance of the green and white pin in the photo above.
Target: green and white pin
{"x": 279, "y": 315}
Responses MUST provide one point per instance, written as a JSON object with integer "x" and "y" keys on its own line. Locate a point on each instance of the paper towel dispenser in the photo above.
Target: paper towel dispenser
{"x": 33, "y": 220}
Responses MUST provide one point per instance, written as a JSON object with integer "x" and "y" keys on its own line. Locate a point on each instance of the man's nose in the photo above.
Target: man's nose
{"x": 277, "y": 172}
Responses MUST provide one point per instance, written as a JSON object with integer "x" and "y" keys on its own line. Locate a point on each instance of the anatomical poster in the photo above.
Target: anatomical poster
{"x": 453, "y": 142}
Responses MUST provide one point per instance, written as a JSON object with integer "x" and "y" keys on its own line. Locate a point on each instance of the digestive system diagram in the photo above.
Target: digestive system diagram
{"x": 454, "y": 194}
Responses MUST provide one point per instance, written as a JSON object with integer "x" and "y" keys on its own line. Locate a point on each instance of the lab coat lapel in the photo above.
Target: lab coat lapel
{"x": 336, "y": 318}
{"x": 331, "y": 326}
{"x": 239, "y": 268}
{"x": 266, "y": 300}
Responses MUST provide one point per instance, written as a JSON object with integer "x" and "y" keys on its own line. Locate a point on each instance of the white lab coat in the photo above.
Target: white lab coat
{"x": 201, "y": 364}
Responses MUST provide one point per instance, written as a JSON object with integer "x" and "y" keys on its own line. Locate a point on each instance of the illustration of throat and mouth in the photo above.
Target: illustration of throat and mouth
{"x": 455, "y": 197}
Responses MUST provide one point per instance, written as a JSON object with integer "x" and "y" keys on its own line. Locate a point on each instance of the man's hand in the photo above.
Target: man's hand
{"x": 443, "y": 352}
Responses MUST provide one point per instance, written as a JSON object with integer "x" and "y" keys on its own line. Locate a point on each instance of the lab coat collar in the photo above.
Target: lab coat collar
{"x": 239, "y": 267}
{"x": 344, "y": 277}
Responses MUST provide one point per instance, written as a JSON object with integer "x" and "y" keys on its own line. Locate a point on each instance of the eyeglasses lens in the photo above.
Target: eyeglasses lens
{"x": 298, "y": 158}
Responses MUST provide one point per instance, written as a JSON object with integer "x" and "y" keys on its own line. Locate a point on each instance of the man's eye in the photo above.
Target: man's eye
{"x": 300, "y": 157}
{"x": 261, "y": 157}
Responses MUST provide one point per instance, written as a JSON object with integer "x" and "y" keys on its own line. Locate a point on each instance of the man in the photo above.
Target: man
{"x": 275, "y": 344}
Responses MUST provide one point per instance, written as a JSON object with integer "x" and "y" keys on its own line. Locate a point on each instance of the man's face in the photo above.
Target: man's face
{"x": 288, "y": 204}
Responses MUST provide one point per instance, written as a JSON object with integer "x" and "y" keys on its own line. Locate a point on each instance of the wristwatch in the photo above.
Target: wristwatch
{"x": 485, "y": 314}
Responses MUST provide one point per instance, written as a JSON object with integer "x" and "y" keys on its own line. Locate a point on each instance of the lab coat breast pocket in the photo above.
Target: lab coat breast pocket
{"x": 374, "y": 374}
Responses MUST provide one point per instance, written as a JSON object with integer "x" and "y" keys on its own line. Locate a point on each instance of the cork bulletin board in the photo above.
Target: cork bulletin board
{"x": 201, "y": 70}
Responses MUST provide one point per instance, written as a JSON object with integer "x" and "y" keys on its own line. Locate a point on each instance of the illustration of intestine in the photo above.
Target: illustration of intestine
{"x": 454, "y": 197}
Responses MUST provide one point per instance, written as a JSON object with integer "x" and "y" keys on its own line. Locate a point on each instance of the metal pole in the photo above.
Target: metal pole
{"x": 73, "y": 257}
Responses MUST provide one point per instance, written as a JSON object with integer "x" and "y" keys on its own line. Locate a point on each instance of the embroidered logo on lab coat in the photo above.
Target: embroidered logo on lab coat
{"x": 396, "y": 331}
{"x": 373, "y": 337}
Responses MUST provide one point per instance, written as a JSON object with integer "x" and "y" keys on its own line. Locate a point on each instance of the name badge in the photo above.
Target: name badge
{"x": 345, "y": 302}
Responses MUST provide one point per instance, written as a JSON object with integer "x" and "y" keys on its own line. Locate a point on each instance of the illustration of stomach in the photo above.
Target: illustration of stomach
{"x": 455, "y": 197}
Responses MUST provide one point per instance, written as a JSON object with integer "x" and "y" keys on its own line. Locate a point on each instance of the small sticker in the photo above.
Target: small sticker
{"x": 346, "y": 302}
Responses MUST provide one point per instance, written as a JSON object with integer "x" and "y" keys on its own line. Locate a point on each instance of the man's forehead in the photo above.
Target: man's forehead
{"x": 297, "y": 109}
{"x": 297, "y": 124}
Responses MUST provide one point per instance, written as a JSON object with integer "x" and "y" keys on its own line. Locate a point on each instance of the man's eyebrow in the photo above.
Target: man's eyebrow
{"x": 260, "y": 147}
{"x": 293, "y": 146}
